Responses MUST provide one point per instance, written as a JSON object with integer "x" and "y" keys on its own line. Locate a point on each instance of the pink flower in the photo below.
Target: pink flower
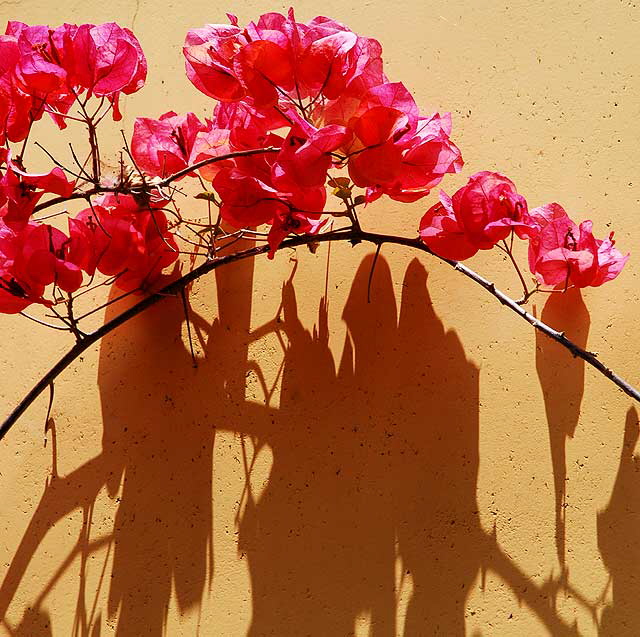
{"x": 109, "y": 61}
{"x": 15, "y": 106}
{"x": 209, "y": 54}
{"x": 277, "y": 57}
{"x": 118, "y": 237}
{"x": 21, "y": 191}
{"x": 331, "y": 57}
{"x": 563, "y": 253}
{"x": 489, "y": 208}
{"x": 263, "y": 67}
{"x": 15, "y": 295}
{"x": 478, "y": 215}
{"x": 163, "y": 146}
{"x": 305, "y": 157}
{"x": 247, "y": 201}
{"x": 211, "y": 142}
{"x": 288, "y": 222}
{"x": 46, "y": 69}
{"x": 38, "y": 70}
{"x": 442, "y": 232}
{"x": 41, "y": 259}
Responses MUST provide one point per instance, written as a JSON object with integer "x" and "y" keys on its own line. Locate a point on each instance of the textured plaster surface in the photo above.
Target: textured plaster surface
{"x": 420, "y": 465}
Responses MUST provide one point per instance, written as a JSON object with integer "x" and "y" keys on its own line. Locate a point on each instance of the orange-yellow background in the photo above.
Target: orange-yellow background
{"x": 420, "y": 465}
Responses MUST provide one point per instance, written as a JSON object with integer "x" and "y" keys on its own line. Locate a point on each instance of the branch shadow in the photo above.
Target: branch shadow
{"x": 373, "y": 481}
{"x": 561, "y": 378}
{"x": 156, "y": 460}
{"x": 437, "y": 408}
{"x": 161, "y": 429}
{"x": 618, "y": 532}
{"x": 320, "y": 538}
{"x": 374, "y": 478}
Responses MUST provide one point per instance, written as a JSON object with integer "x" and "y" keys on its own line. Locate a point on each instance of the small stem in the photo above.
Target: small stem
{"x": 95, "y": 153}
{"x": 124, "y": 295}
{"x": 525, "y": 290}
{"x": 72, "y": 321}
{"x": 86, "y": 175}
{"x": 58, "y": 164}
{"x": 44, "y": 323}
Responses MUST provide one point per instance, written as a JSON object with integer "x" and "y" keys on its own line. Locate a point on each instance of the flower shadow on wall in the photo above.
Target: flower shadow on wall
{"x": 618, "y": 532}
{"x": 365, "y": 469}
{"x": 373, "y": 461}
{"x": 561, "y": 378}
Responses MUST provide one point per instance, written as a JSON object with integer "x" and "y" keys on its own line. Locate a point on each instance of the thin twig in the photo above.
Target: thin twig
{"x": 44, "y": 323}
{"x": 147, "y": 187}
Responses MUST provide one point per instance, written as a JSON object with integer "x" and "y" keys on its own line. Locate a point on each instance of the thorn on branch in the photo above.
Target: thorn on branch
{"x": 47, "y": 420}
{"x": 373, "y": 267}
{"x": 185, "y": 307}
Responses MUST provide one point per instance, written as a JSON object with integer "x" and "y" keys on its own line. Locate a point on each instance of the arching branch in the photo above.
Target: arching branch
{"x": 352, "y": 235}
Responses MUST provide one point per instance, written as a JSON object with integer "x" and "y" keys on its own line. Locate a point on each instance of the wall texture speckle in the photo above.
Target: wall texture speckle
{"x": 420, "y": 465}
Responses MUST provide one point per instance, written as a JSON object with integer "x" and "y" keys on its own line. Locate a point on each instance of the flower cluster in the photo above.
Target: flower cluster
{"x": 317, "y": 92}
{"x": 488, "y": 209}
{"x": 47, "y": 70}
{"x": 303, "y": 110}
{"x": 117, "y": 235}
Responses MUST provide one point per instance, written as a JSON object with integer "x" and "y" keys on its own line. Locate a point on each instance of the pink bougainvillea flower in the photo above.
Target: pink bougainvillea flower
{"x": 264, "y": 67}
{"x": 288, "y": 222}
{"x": 247, "y": 201}
{"x": 43, "y": 74}
{"x": 277, "y": 56}
{"x": 324, "y": 64}
{"x": 478, "y": 215}
{"x": 116, "y": 236}
{"x": 489, "y": 208}
{"x": 21, "y": 191}
{"x": 209, "y": 54}
{"x": 55, "y": 65}
{"x": 163, "y": 146}
{"x": 305, "y": 157}
{"x": 332, "y": 57}
{"x": 442, "y": 232}
{"x": 15, "y": 106}
{"x": 211, "y": 142}
{"x": 109, "y": 61}
{"x": 15, "y": 295}
{"x": 39, "y": 68}
{"x": 563, "y": 254}
{"x": 610, "y": 261}
{"x": 393, "y": 151}
{"x": 377, "y": 156}
{"x": 427, "y": 157}
{"x": 41, "y": 259}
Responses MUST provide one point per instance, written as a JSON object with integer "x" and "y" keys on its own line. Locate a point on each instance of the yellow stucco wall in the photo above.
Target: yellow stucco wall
{"x": 424, "y": 465}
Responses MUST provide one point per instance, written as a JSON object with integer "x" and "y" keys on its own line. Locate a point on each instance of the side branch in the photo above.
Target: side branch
{"x": 146, "y": 187}
{"x": 352, "y": 235}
